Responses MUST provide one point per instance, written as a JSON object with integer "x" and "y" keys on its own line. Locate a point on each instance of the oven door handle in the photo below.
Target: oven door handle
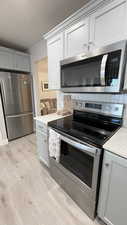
{"x": 82, "y": 147}
{"x": 102, "y": 70}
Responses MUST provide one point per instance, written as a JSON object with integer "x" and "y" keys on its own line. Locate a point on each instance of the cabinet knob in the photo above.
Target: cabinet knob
{"x": 85, "y": 46}
{"x": 84, "y": 55}
{"x": 91, "y": 43}
{"x": 107, "y": 164}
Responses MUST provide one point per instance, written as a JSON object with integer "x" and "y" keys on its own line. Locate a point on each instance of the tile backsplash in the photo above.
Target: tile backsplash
{"x": 70, "y": 100}
{"x": 116, "y": 98}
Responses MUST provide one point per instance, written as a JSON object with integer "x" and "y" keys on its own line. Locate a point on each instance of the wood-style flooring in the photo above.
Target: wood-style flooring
{"x": 28, "y": 195}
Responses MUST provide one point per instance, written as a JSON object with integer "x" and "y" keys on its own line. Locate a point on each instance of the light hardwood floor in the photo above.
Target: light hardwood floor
{"x": 28, "y": 195}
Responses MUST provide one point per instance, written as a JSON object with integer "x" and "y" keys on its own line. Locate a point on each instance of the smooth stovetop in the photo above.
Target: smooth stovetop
{"x": 91, "y": 128}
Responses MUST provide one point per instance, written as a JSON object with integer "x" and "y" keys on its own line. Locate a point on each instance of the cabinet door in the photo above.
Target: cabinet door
{"x": 6, "y": 60}
{"x": 76, "y": 38}
{"x": 108, "y": 24}
{"x": 55, "y": 54}
{"x": 22, "y": 62}
{"x": 113, "y": 193}
{"x": 42, "y": 147}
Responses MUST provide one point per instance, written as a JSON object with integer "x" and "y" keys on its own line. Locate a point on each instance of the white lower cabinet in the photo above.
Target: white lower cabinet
{"x": 112, "y": 207}
{"x": 42, "y": 143}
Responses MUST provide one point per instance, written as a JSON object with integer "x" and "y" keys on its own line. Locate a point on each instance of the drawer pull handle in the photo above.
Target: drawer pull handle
{"x": 91, "y": 43}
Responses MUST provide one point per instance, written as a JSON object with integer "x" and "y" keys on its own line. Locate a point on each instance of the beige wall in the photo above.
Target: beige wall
{"x": 42, "y": 68}
{"x": 38, "y": 51}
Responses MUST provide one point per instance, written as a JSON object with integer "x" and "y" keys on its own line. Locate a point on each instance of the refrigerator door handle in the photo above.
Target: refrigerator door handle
{"x": 19, "y": 115}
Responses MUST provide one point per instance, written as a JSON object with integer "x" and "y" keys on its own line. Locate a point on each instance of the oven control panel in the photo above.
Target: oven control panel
{"x": 109, "y": 109}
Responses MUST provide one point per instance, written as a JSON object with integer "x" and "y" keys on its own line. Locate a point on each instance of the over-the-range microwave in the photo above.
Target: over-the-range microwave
{"x": 102, "y": 70}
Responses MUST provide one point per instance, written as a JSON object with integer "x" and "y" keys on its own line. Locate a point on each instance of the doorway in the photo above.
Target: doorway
{"x": 47, "y": 98}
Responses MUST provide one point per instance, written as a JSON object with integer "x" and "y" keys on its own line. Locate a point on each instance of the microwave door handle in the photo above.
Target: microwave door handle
{"x": 103, "y": 67}
{"x": 82, "y": 147}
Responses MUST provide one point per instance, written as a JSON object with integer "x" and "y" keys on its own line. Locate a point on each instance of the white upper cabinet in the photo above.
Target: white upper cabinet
{"x": 13, "y": 60}
{"x": 103, "y": 26}
{"x": 22, "y": 62}
{"x": 55, "y": 54}
{"x": 108, "y": 24}
{"x": 6, "y": 59}
{"x": 76, "y": 38}
{"x": 113, "y": 193}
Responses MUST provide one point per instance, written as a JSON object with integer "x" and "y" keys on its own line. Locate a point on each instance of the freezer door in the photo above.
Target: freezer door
{"x": 19, "y": 125}
{"x": 16, "y": 93}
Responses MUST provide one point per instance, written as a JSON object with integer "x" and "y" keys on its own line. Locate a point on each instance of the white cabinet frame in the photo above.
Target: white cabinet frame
{"x": 55, "y": 54}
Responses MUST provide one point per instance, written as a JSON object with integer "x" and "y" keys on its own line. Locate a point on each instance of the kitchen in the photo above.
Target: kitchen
{"x": 82, "y": 146}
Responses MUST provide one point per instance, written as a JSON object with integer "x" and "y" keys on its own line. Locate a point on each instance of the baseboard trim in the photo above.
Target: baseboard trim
{"x": 4, "y": 142}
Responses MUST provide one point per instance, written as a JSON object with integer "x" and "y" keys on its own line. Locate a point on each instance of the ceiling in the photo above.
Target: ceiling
{"x": 22, "y": 22}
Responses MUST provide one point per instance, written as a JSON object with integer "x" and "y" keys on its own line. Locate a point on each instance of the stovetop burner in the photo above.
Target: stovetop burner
{"x": 91, "y": 127}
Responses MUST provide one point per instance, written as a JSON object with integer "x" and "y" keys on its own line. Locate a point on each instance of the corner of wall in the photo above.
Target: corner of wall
{"x": 37, "y": 52}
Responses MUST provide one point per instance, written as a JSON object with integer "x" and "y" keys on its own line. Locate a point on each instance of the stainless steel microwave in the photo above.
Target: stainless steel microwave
{"x": 102, "y": 70}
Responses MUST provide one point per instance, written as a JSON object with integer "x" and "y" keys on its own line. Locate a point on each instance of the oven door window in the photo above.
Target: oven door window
{"x": 77, "y": 162}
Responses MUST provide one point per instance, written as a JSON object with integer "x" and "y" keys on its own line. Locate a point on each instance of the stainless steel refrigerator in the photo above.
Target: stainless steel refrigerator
{"x": 17, "y": 103}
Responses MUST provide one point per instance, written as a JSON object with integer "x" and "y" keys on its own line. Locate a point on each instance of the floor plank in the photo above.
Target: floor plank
{"x": 28, "y": 194}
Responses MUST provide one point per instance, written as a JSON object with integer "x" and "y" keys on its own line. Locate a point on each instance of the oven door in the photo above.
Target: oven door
{"x": 99, "y": 71}
{"x": 81, "y": 162}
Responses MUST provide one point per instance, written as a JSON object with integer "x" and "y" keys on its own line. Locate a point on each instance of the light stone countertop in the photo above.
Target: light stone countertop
{"x": 50, "y": 117}
{"x": 118, "y": 143}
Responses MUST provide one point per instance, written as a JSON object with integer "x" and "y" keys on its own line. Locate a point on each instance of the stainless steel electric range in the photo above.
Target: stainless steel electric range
{"x": 82, "y": 137}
